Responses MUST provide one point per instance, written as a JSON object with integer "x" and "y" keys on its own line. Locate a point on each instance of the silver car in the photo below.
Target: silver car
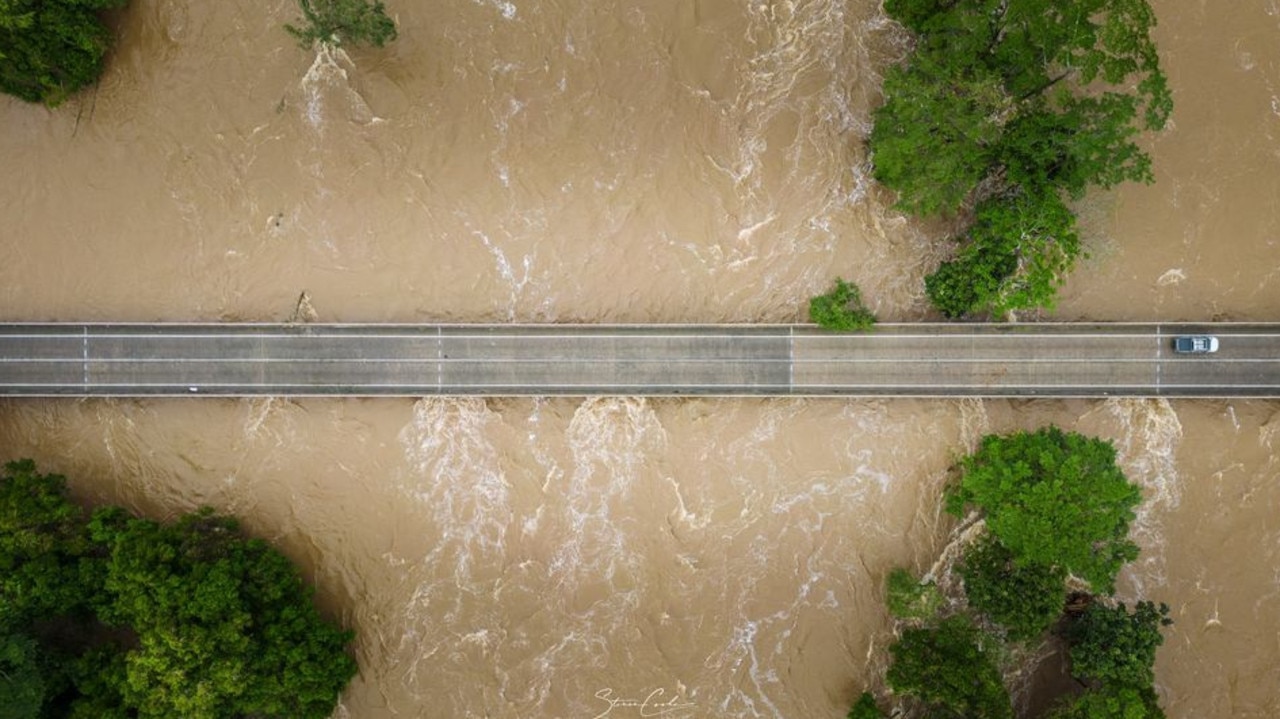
{"x": 1195, "y": 344}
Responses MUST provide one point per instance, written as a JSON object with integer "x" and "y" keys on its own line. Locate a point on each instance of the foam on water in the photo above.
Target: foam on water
{"x": 610, "y": 439}
{"x": 458, "y": 476}
{"x": 507, "y": 272}
{"x": 327, "y": 79}
{"x": 1146, "y": 450}
{"x": 505, "y": 8}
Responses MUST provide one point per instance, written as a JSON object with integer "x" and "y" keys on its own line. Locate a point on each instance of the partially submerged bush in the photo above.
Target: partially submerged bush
{"x": 912, "y": 599}
{"x": 343, "y": 22}
{"x": 841, "y": 309}
{"x": 865, "y": 708}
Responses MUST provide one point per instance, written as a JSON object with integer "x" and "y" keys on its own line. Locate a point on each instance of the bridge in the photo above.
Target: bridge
{"x": 918, "y": 359}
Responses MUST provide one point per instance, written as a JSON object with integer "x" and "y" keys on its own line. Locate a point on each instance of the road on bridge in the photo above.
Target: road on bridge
{"x": 919, "y": 359}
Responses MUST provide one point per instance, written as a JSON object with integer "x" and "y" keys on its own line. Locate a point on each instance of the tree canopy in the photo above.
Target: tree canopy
{"x": 1054, "y": 503}
{"x": 22, "y": 685}
{"x": 1111, "y": 645}
{"x": 1026, "y": 599}
{"x": 1019, "y": 103}
{"x": 1015, "y": 256}
{"x": 1054, "y": 499}
{"x": 131, "y": 618}
{"x": 933, "y": 139}
{"x": 51, "y": 48}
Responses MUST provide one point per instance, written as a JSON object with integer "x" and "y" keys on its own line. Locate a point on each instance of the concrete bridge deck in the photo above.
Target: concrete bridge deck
{"x": 984, "y": 360}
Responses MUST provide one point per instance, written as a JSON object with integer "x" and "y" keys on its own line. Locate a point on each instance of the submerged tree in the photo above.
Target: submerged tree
{"x": 22, "y": 683}
{"x": 346, "y": 22}
{"x": 1054, "y": 499}
{"x": 951, "y": 667}
{"x": 1034, "y": 100}
{"x": 1111, "y": 702}
{"x": 1109, "y": 644}
{"x": 126, "y": 617}
{"x": 51, "y": 48}
{"x": 1054, "y": 503}
{"x": 1026, "y": 599}
{"x": 1015, "y": 256}
{"x": 934, "y": 138}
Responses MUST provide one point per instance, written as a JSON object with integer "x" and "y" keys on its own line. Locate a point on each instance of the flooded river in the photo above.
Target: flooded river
{"x": 658, "y": 160}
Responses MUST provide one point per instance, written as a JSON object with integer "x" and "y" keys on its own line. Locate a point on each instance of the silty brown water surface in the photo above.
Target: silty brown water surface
{"x": 645, "y": 161}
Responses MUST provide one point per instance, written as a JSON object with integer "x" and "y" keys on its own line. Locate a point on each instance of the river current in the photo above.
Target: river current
{"x": 646, "y": 161}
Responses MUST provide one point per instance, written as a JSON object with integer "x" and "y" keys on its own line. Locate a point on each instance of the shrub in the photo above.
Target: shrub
{"x": 912, "y": 599}
{"x": 865, "y": 708}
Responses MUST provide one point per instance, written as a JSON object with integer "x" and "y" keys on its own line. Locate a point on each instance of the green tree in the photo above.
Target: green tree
{"x": 1015, "y": 256}
{"x": 1055, "y": 502}
{"x": 1030, "y": 100}
{"x": 348, "y": 22}
{"x": 51, "y": 48}
{"x": 1024, "y": 598}
{"x": 226, "y": 626}
{"x": 42, "y": 542}
{"x": 1040, "y": 47}
{"x": 934, "y": 139}
{"x": 142, "y": 620}
{"x": 1111, "y": 645}
{"x": 1054, "y": 499}
{"x": 1073, "y": 143}
{"x": 22, "y": 686}
{"x": 952, "y": 667}
{"x": 841, "y": 309}
{"x": 1111, "y": 702}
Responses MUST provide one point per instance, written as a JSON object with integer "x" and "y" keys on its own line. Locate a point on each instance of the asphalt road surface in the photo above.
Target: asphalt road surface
{"x": 917, "y": 360}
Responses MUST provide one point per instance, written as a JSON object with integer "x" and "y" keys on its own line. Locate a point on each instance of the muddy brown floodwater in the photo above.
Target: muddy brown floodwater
{"x": 657, "y": 160}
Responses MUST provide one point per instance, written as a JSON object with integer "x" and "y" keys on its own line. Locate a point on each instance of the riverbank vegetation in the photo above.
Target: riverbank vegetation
{"x": 1014, "y": 108}
{"x": 343, "y": 22}
{"x": 108, "y": 615}
{"x": 51, "y": 48}
{"x": 1054, "y": 513}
